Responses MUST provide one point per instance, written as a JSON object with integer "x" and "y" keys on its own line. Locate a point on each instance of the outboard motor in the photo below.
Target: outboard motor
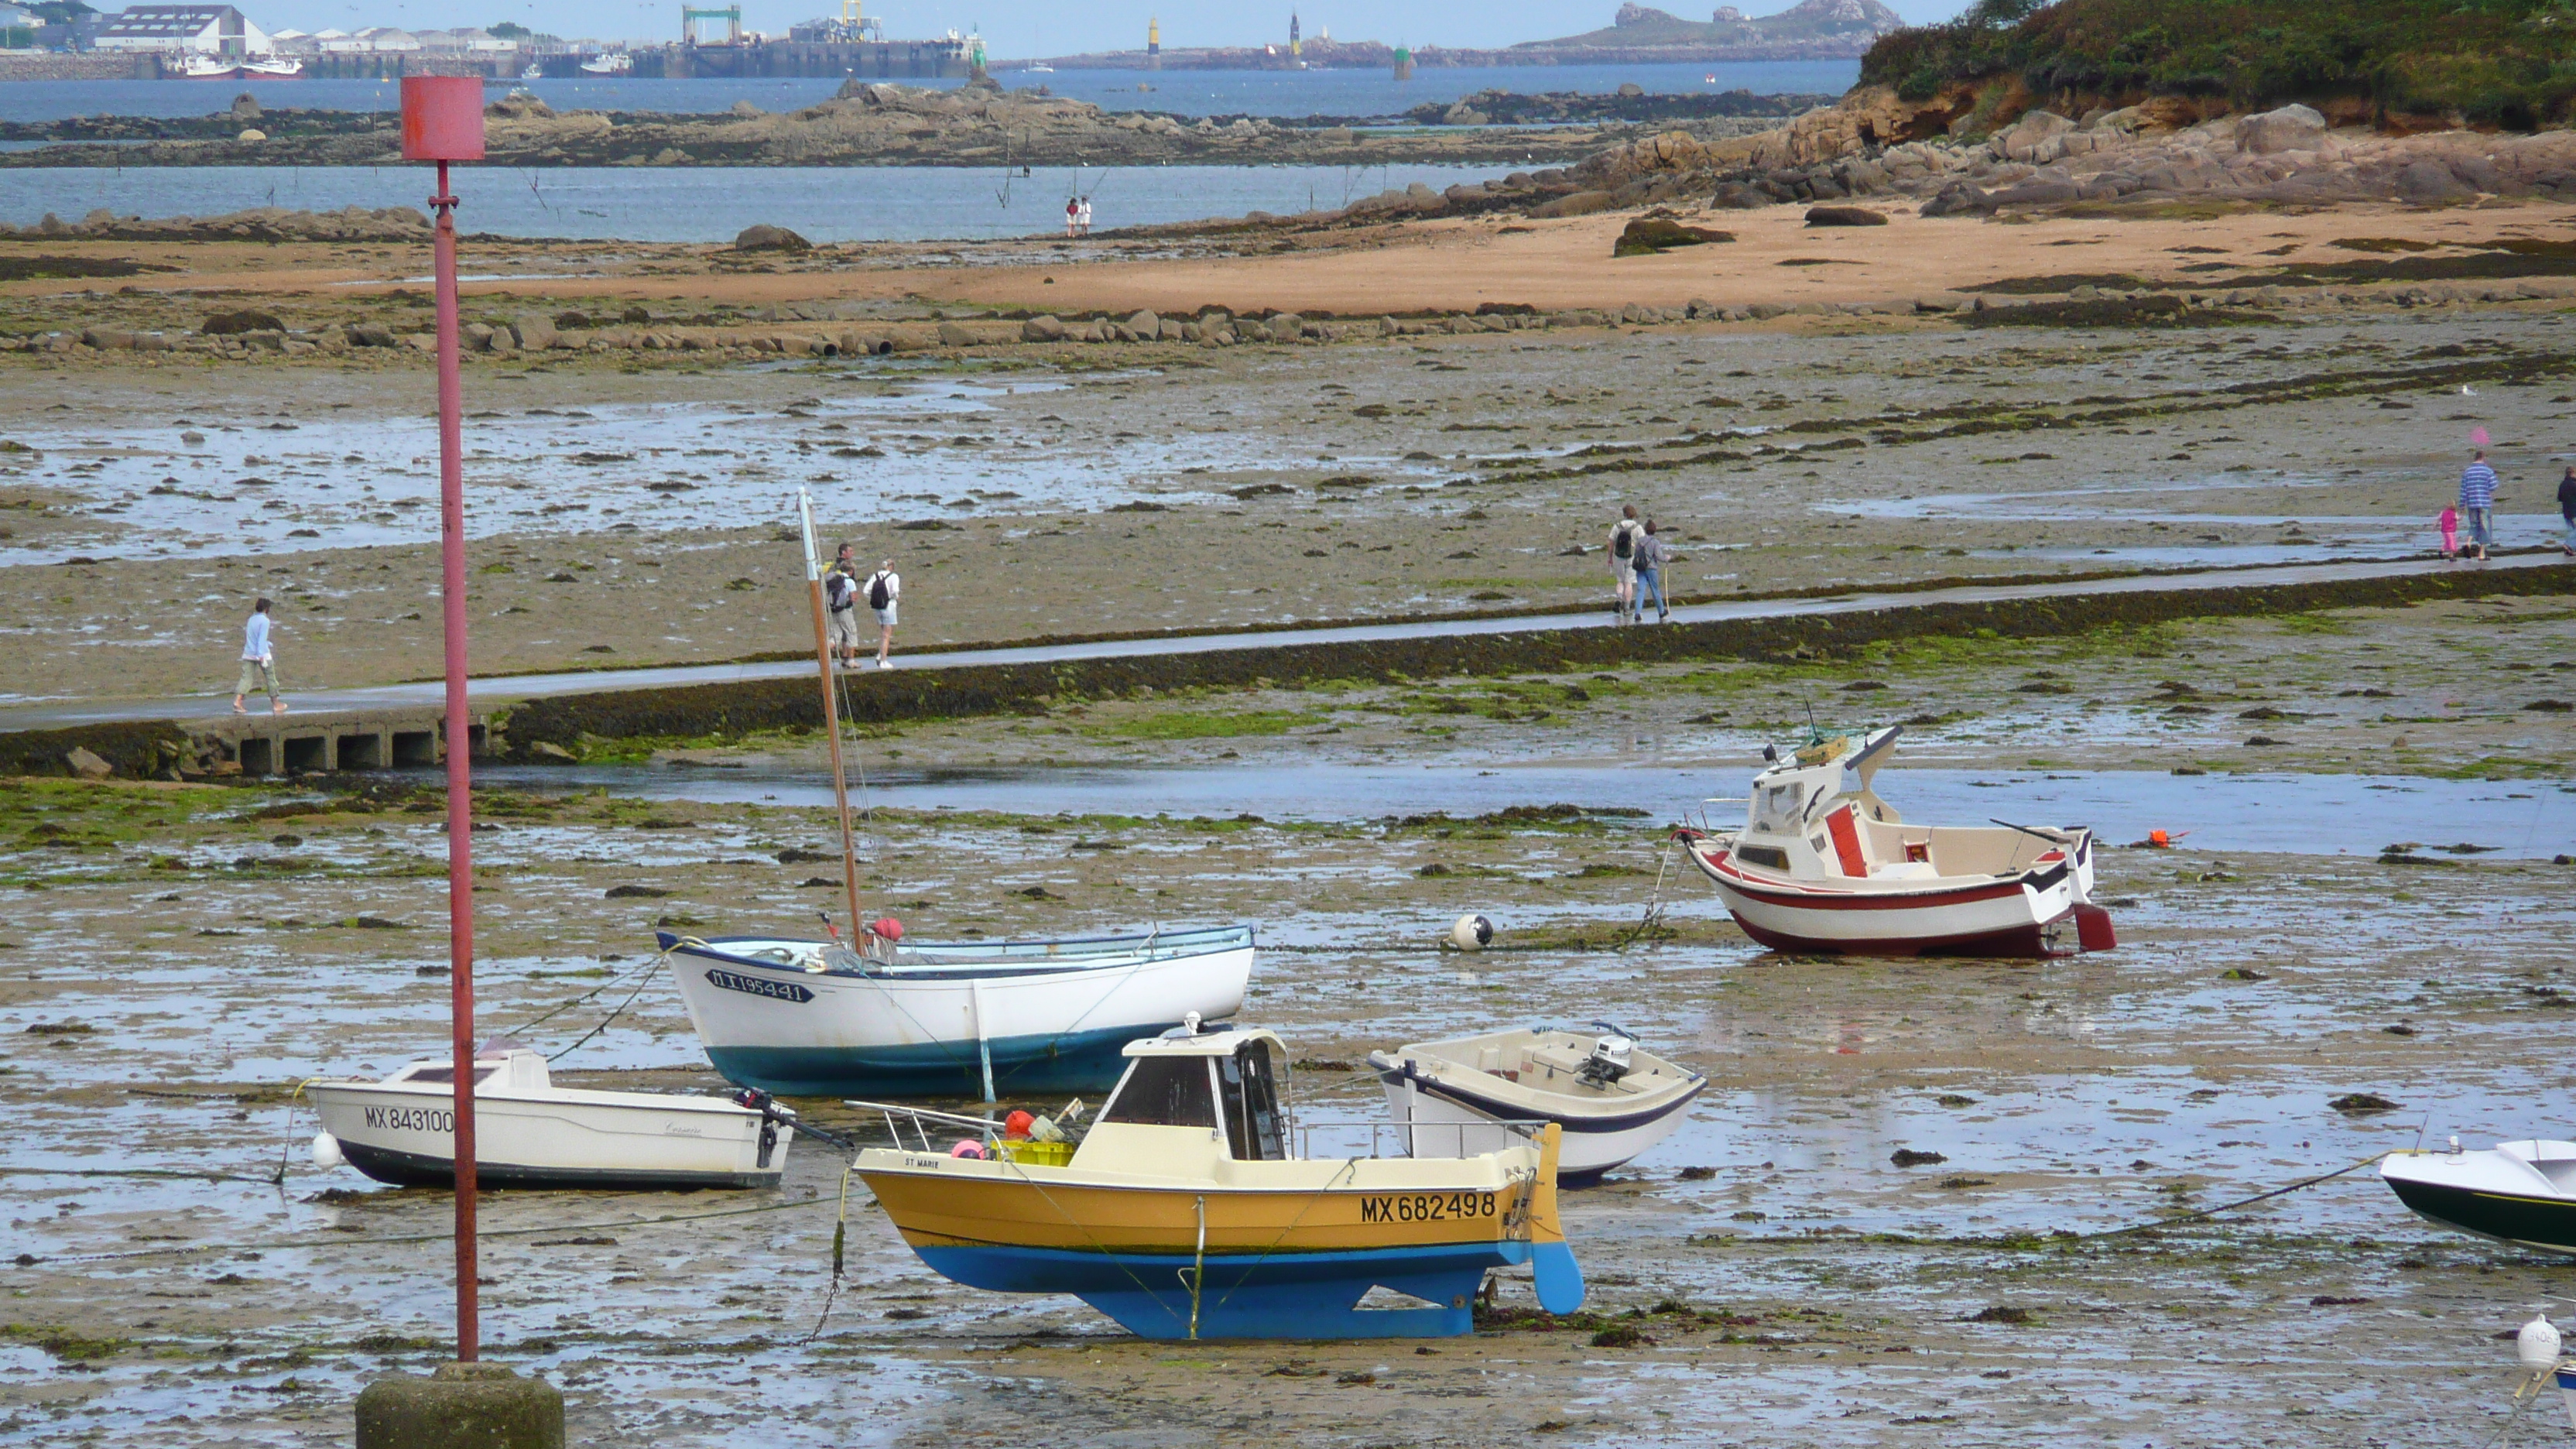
{"x": 1609, "y": 1060}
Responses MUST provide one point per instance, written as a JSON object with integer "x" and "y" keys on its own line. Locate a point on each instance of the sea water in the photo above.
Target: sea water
{"x": 1180, "y": 92}
{"x": 713, "y": 203}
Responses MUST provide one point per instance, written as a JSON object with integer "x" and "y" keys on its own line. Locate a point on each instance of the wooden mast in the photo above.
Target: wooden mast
{"x": 831, "y": 713}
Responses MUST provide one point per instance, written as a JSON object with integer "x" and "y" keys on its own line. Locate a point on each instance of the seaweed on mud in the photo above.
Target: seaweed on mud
{"x": 2062, "y": 282}
{"x": 2158, "y": 310}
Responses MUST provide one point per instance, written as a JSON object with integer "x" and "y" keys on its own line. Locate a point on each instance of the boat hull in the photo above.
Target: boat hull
{"x": 407, "y": 1137}
{"x": 2029, "y": 915}
{"x": 1247, "y": 1295}
{"x": 1441, "y": 1118}
{"x": 2487, "y": 1194}
{"x": 1038, "y": 1027}
{"x": 1273, "y": 1249}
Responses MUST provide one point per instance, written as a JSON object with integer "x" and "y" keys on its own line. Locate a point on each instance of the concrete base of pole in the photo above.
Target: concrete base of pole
{"x": 461, "y": 1406}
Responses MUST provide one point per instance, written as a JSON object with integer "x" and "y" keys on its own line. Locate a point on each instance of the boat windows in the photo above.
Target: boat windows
{"x": 1164, "y": 1092}
{"x": 1251, "y": 1096}
{"x": 446, "y": 1074}
{"x": 1776, "y": 808}
{"x": 1770, "y": 855}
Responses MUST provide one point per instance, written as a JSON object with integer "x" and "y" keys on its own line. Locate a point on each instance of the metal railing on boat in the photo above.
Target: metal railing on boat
{"x": 1336, "y": 1139}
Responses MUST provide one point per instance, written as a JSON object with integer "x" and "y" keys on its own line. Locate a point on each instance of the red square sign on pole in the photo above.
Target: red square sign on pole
{"x": 442, "y": 118}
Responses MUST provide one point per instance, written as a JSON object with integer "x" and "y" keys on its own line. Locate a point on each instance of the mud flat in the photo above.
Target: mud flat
{"x": 1771, "y": 1251}
{"x": 634, "y": 458}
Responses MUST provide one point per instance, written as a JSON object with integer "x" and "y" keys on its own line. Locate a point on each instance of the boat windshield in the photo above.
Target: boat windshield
{"x": 1251, "y": 1104}
{"x": 1775, "y": 808}
{"x": 1164, "y": 1092}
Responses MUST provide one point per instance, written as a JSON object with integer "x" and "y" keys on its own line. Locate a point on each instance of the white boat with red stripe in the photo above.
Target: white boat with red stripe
{"x": 1823, "y": 864}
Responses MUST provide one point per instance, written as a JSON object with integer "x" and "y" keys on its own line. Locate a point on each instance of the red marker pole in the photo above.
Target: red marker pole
{"x": 443, "y": 122}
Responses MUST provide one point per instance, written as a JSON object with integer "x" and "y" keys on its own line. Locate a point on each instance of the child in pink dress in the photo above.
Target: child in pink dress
{"x": 2449, "y": 523}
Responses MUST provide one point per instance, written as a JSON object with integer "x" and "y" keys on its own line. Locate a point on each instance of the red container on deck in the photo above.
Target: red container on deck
{"x": 442, "y": 118}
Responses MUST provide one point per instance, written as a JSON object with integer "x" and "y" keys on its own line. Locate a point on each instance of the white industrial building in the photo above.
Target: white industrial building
{"x": 205, "y": 29}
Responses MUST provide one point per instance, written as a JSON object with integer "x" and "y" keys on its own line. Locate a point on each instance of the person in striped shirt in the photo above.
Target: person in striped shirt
{"x": 2477, "y": 502}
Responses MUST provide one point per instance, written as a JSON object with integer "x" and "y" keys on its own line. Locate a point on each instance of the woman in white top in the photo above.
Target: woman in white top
{"x": 258, "y": 662}
{"x": 885, "y": 590}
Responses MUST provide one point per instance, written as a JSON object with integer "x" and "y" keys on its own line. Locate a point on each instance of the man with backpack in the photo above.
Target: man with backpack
{"x": 1624, "y": 537}
{"x": 841, "y": 608}
{"x": 884, "y": 588}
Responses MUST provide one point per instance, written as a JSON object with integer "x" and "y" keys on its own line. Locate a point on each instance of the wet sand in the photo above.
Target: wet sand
{"x": 1804, "y": 1290}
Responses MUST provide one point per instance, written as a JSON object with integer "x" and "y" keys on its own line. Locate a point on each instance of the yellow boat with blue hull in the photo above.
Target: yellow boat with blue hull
{"x": 1185, "y": 1214}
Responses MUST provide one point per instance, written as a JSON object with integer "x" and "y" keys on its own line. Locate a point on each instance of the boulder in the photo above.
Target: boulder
{"x": 475, "y": 337}
{"x": 2430, "y": 183}
{"x": 370, "y": 334}
{"x": 233, "y": 324}
{"x": 251, "y": 135}
{"x": 1959, "y": 198}
{"x": 1844, "y": 216}
{"x": 1145, "y": 325}
{"x": 1042, "y": 329}
{"x": 2037, "y": 191}
{"x": 1580, "y": 203}
{"x": 766, "y": 238}
{"x": 534, "y": 331}
{"x": 953, "y": 335}
{"x": 246, "y": 107}
{"x": 2290, "y": 128}
{"x": 2035, "y": 138}
{"x": 1648, "y": 235}
{"x": 86, "y": 765}
{"x": 1287, "y": 327}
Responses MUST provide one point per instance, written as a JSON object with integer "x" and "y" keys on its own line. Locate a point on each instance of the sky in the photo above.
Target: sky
{"x": 1018, "y": 28}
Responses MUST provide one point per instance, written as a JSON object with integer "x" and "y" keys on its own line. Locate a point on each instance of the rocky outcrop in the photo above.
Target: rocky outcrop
{"x": 765, "y": 238}
{"x": 1875, "y": 144}
{"x": 261, "y": 223}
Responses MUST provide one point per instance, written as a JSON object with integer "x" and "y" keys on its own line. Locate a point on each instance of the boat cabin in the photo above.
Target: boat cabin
{"x": 501, "y": 1064}
{"x": 1815, "y": 815}
{"x": 1190, "y": 1101}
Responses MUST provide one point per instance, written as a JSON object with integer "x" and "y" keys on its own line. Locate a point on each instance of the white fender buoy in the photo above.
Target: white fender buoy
{"x": 326, "y": 1151}
{"x": 1472, "y": 933}
{"x": 2537, "y": 1344}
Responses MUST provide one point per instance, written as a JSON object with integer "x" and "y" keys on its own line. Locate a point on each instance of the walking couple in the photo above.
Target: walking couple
{"x": 1637, "y": 559}
{"x": 843, "y": 590}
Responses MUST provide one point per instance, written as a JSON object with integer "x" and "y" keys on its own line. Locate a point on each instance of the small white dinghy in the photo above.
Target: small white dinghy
{"x": 1450, "y": 1098}
{"x": 530, "y": 1133}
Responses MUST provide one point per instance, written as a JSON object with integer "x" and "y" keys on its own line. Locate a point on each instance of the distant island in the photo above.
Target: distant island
{"x": 1808, "y": 30}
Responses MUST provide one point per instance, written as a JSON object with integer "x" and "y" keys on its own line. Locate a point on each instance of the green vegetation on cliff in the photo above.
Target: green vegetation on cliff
{"x": 2500, "y": 62}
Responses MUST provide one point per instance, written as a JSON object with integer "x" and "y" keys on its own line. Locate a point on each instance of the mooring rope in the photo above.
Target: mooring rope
{"x": 2233, "y": 1206}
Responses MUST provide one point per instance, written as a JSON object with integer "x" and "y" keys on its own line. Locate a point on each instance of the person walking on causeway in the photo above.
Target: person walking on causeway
{"x": 258, "y": 662}
{"x": 1623, "y": 562}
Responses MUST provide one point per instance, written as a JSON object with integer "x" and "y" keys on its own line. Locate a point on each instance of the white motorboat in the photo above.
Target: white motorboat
{"x": 813, "y": 1018}
{"x": 530, "y": 1133}
{"x": 613, "y": 63}
{"x": 200, "y": 66}
{"x": 1453, "y": 1098}
{"x": 1823, "y": 864}
{"x": 2523, "y": 1193}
